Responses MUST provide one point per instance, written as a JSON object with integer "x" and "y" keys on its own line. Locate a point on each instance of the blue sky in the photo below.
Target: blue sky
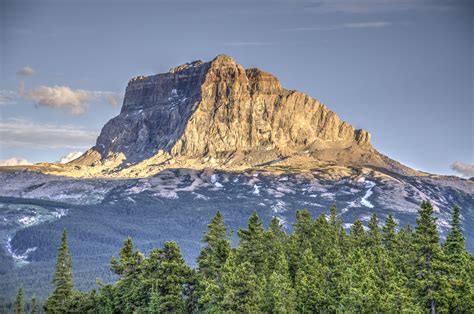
{"x": 403, "y": 70}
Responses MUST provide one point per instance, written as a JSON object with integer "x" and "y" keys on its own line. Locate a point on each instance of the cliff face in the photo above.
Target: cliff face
{"x": 218, "y": 109}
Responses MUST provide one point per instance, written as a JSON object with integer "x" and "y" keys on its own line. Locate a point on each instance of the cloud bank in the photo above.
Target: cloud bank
{"x": 69, "y": 157}
{"x": 15, "y": 161}
{"x": 465, "y": 170}
{"x": 26, "y": 71}
{"x": 25, "y": 133}
{"x": 74, "y": 101}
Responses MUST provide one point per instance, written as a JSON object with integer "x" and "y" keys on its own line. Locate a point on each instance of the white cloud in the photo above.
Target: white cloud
{"x": 376, "y": 24}
{"x": 374, "y": 6}
{"x": 465, "y": 170}
{"x": 26, "y": 71}
{"x": 14, "y": 162}
{"x": 8, "y": 97}
{"x": 59, "y": 97}
{"x": 248, "y": 43}
{"x": 74, "y": 101}
{"x": 24, "y": 133}
{"x": 69, "y": 157}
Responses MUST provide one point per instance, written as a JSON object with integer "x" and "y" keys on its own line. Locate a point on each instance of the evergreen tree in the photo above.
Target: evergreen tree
{"x": 131, "y": 292}
{"x": 171, "y": 276}
{"x": 242, "y": 291}
{"x": 460, "y": 270}
{"x": 358, "y": 235}
{"x": 430, "y": 281}
{"x": 301, "y": 239}
{"x": 209, "y": 292}
{"x": 216, "y": 250}
{"x": 19, "y": 302}
{"x": 374, "y": 236}
{"x": 34, "y": 305}
{"x": 63, "y": 281}
{"x": 281, "y": 296}
{"x": 275, "y": 241}
{"x": 389, "y": 233}
{"x": 252, "y": 245}
{"x": 311, "y": 296}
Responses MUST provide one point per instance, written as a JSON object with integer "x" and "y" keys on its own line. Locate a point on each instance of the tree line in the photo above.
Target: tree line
{"x": 317, "y": 268}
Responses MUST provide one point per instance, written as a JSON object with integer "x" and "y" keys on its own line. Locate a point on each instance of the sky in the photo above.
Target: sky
{"x": 403, "y": 70}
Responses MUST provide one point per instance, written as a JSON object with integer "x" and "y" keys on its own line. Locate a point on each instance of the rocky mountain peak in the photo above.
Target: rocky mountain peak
{"x": 219, "y": 114}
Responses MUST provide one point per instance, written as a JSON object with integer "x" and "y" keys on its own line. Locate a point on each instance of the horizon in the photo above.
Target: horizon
{"x": 66, "y": 87}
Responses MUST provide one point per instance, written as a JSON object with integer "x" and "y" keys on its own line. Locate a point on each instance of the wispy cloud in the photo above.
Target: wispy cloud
{"x": 15, "y": 161}
{"x": 74, "y": 101}
{"x": 359, "y": 25}
{"x": 465, "y": 170}
{"x": 25, "y": 133}
{"x": 8, "y": 97}
{"x": 374, "y": 6}
{"x": 26, "y": 71}
{"x": 69, "y": 157}
{"x": 248, "y": 43}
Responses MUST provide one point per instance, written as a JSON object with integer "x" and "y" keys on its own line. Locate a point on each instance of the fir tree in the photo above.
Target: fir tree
{"x": 130, "y": 292}
{"x": 310, "y": 285}
{"x": 389, "y": 233}
{"x": 209, "y": 293}
{"x": 34, "y": 305}
{"x": 252, "y": 245}
{"x": 216, "y": 250}
{"x": 358, "y": 235}
{"x": 19, "y": 302}
{"x": 459, "y": 268}
{"x": 430, "y": 279}
{"x": 242, "y": 290}
{"x": 63, "y": 281}
{"x": 281, "y": 296}
{"x": 172, "y": 274}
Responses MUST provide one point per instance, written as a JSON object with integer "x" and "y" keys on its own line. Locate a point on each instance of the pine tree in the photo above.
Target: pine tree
{"x": 34, "y": 305}
{"x": 216, "y": 250}
{"x": 242, "y": 291}
{"x": 130, "y": 292}
{"x": 63, "y": 280}
{"x": 389, "y": 233}
{"x": 171, "y": 276}
{"x": 358, "y": 235}
{"x": 213, "y": 256}
{"x": 375, "y": 238}
{"x": 19, "y": 302}
{"x": 301, "y": 239}
{"x": 460, "y": 271}
{"x": 280, "y": 296}
{"x": 430, "y": 280}
{"x": 275, "y": 241}
{"x": 309, "y": 285}
{"x": 252, "y": 245}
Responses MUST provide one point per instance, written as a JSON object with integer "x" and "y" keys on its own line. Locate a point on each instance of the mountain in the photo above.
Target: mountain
{"x": 219, "y": 115}
{"x": 203, "y": 137}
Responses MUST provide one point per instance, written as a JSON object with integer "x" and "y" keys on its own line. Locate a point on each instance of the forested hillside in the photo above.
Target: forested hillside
{"x": 319, "y": 267}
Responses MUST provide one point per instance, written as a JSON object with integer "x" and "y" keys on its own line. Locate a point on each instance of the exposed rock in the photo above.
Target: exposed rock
{"x": 218, "y": 114}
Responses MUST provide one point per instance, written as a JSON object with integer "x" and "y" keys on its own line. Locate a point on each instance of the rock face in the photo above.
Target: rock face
{"x": 219, "y": 110}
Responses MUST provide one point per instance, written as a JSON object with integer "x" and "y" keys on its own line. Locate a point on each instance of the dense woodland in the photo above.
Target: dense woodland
{"x": 319, "y": 267}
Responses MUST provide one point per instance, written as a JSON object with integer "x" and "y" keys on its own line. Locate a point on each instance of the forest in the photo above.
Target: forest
{"x": 317, "y": 268}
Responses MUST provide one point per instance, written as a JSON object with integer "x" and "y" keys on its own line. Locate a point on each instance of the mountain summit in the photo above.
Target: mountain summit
{"x": 219, "y": 114}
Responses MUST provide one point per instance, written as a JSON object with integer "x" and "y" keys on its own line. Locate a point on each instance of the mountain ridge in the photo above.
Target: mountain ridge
{"x": 219, "y": 115}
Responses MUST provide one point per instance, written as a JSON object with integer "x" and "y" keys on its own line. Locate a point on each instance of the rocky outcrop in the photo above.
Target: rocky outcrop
{"x": 219, "y": 110}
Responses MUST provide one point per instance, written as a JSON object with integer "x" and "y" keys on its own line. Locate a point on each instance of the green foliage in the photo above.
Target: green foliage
{"x": 19, "y": 302}
{"x": 63, "y": 280}
{"x": 318, "y": 268}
